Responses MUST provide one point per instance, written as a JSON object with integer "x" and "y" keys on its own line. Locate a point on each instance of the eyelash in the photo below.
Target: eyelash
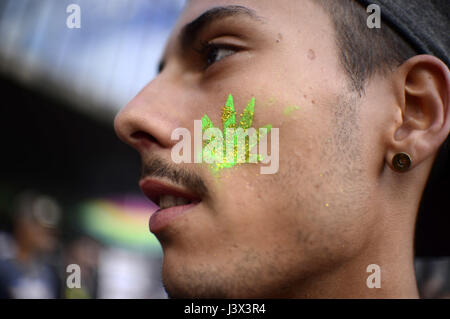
{"x": 206, "y": 48}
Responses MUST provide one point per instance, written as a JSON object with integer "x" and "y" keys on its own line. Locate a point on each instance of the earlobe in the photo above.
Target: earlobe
{"x": 424, "y": 81}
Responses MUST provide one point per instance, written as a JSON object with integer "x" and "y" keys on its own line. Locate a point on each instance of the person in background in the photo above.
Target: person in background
{"x": 84, "y": 252}
{"x": 26, "y": 267}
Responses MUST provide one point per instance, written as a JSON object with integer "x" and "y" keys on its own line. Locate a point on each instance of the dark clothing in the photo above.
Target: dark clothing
{"x": 37, "y": 279}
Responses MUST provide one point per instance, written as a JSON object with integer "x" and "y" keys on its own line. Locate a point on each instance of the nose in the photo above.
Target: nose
{"x": 149, "y": 118}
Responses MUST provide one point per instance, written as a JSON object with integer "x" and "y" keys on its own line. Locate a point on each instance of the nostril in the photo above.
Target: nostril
{"x": 141, "y": 136}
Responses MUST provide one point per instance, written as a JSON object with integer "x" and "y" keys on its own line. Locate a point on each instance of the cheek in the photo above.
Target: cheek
{"x": 249, "y": 204}
{"x": 285, "y": 215}
{"x": 324, "y": 205}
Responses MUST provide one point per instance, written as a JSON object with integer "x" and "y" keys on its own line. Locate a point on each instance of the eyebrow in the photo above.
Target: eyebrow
{"x": 191, "y": 31}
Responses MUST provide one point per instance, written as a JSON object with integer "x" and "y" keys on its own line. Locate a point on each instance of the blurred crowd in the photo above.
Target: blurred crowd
{"x": 34, "y": 260}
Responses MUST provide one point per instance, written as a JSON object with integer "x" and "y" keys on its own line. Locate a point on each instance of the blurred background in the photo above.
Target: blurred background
{"x": 68, "y": 186}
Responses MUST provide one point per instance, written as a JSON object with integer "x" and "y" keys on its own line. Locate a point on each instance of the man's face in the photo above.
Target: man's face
{"x": 255, "y": 235}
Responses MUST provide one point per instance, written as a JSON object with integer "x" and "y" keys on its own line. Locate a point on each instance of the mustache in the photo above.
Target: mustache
{"x": 157, "y": 167}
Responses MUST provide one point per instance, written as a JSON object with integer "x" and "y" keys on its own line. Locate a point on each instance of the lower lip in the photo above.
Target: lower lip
{"x": 161, "y": 218}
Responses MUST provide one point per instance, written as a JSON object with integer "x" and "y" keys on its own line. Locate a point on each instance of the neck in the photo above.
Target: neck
{"x": 391, "y": 250}
{"x": 353, "y": 279}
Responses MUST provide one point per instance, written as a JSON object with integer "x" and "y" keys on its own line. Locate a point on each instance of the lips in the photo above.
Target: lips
{"x": 172, "y": 200}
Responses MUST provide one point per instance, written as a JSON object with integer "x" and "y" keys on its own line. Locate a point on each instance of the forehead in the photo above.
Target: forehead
{"x": 265, "y": 8}
{"x": 283, "y": 16}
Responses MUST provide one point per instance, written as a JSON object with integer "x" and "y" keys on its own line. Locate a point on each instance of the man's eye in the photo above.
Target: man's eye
{"x": 213, "y": 53}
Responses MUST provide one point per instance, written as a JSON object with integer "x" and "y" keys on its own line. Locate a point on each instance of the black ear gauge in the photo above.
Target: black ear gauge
{"x": 401, "y": 162}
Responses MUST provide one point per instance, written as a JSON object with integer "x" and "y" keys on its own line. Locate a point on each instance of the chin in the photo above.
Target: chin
{"x": 181, "y": 289}
{"x": 188, "y": 281}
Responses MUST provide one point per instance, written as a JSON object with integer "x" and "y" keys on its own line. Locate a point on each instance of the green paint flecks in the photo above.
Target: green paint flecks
{"x": 290, "y": 109}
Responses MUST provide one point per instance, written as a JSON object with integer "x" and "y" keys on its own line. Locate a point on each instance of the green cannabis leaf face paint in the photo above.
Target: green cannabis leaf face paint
{"x": 235, "y": 144}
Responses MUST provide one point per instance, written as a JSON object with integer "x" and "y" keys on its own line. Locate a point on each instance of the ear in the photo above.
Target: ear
{"x": 424, "y": 85}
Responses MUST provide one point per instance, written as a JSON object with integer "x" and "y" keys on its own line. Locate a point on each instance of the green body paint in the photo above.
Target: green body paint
{"x": 217, "y": 156}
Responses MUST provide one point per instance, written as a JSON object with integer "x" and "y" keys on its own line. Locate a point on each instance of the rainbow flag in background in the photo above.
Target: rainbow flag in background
{"x": 120, "y": 221}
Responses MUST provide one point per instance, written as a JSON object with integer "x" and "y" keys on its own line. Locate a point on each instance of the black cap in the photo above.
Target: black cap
{"x": 424, "y": 24}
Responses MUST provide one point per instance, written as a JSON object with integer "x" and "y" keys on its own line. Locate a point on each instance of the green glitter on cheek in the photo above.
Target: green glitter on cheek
{"x": 229, "y": 114}
{"x": 221, "y": 150}
{"x": 206, "y": 123}
{"x": 290, "y": 109}
{"x": 247, "y": 115}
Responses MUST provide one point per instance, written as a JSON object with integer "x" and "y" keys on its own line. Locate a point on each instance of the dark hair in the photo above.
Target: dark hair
{"x": 364, "y": 51}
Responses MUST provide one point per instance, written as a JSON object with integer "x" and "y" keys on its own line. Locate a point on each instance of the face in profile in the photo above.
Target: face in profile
{"x": 319, "y": 220}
